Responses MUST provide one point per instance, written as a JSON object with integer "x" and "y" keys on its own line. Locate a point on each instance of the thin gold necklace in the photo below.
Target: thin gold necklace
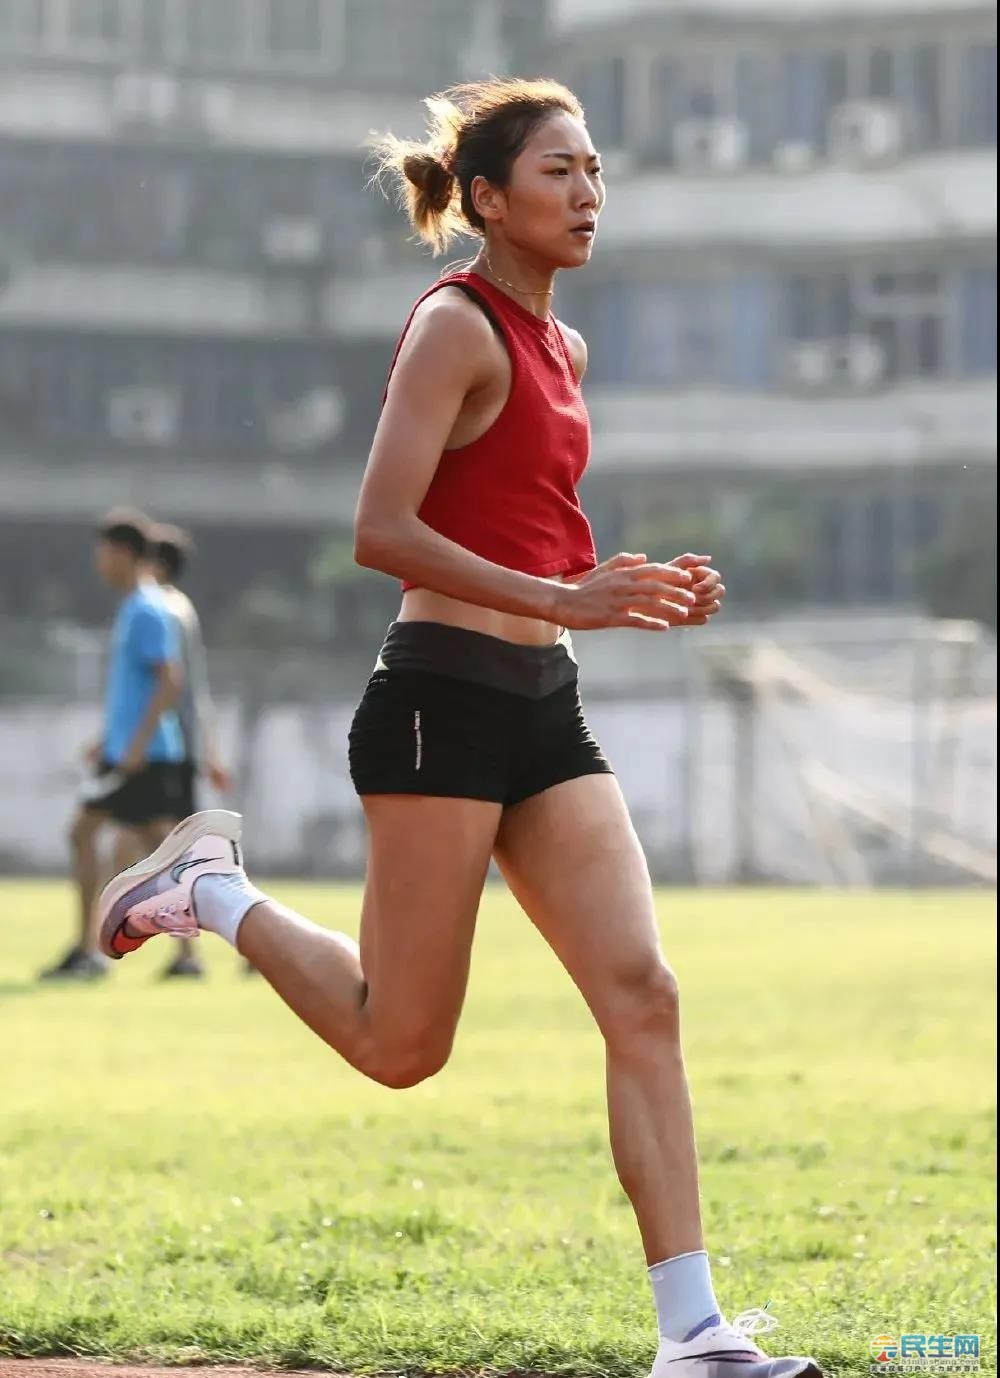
{"x": 524, "y": 291}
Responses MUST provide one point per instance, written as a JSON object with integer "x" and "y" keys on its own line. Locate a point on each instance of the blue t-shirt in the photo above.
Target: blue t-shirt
{"x": 144, "y": 637}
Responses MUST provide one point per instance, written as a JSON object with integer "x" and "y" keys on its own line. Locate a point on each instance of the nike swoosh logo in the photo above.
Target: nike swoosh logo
{"x": 733, "y": 1356}
{"x": 177, "y": 871}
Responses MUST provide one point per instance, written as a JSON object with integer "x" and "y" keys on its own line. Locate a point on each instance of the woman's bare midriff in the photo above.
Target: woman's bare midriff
{"x": 423, "y": 605}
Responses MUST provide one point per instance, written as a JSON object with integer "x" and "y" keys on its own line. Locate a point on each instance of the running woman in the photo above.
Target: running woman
{"x": 469, "y": 742}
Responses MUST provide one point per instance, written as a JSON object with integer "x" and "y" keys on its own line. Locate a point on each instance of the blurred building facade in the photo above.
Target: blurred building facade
{"x": 792, "y": 310}
{"x": 200, "y": 291}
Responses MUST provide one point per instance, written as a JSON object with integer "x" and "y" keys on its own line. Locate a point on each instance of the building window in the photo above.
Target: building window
{"x": 905, "y": 311}
{"x": 882, "y": 83}
{"x": 888, "y": 324}
{"x": 814, "y": 85}
{"x": 153, "y": 211}
{"x": 699, "y": 96}
{"x": 925, "y": 101}
{"x": 819, "y": 308}
{"x": 21, "y": 22}
{"x": 978, "y": 293}
{"x": 677, "y": 333}
{"x": 878, "y": 549}
{"x": 705, "y": 88}
{"x": 294, "y": 29}
{"x": 217, "y": 30}
{"x": 749, "y": 335}
{"x": 223, "y": 397}
{"x": 790, "y": 98}
{"x": 832, "y": 553}
{"x": 754, "y": 103}
{"x": 667, "y": 102}
{"x": 601, "y": 311}
{"x": 600, "y": 85}
{"x": 154, "y": 30}
{"x": 683, "y": 89}
{"x": 928, "y": 347}
{"x": 94, "y": 24}
{"x": 367, "y": 24}
{"x": 22, "y": 397}
{"x": 979, "y": 95}
{"x": 388, "y": 44}
{"x": 217, "y": 208}
{"x": 909, "y": 79}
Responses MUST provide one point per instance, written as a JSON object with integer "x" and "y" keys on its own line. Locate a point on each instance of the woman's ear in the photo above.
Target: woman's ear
{"x": 489, "y": 201}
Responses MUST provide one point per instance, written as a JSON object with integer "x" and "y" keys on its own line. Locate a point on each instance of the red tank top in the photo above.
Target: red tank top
{"x": 510, "y": 496}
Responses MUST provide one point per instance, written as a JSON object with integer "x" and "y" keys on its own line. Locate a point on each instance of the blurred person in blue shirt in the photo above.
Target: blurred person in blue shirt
{"x": 172, "y": 549}
{"x": 137, "y": 782}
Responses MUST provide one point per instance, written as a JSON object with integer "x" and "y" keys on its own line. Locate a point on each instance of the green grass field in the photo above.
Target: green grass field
{"x": 186, "y": 1175}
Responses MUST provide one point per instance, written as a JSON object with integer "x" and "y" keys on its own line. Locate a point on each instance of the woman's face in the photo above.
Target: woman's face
{"x": 550, "y": 208}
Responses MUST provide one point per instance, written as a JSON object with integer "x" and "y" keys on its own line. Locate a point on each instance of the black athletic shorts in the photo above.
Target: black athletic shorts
{"x": 153, "y": 792}
{"x": 187, "y": 802}
{"x": 454, "y": 713}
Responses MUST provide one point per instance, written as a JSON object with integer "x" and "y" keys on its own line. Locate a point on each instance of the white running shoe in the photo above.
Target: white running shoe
{"x": 727, "y": 1351}
{"x": 154, "y": 895}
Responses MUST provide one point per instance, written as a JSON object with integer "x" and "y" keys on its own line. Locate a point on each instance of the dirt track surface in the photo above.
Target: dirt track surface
{"x": 77, "y": 1368}
{"x": 90, "y": 1368}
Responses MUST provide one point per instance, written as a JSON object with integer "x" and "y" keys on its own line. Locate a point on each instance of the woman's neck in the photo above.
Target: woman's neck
{"x": 527, "y": 286}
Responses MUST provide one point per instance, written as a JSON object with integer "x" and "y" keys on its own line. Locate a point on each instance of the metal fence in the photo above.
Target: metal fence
{"x": 818, "y": 751}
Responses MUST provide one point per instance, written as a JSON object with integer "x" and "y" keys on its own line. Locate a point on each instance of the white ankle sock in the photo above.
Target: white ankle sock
{"x": 220, "y": 903}
{"x": 685, "y": 1299}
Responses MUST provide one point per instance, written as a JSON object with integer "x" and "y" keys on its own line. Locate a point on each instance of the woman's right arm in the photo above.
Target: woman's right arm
{"x": 448, "y": 354}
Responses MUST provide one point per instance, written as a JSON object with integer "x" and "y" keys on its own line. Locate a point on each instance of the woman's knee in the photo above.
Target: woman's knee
{"x": 409, "y": 1063}
{"x": 644, "y": 1003}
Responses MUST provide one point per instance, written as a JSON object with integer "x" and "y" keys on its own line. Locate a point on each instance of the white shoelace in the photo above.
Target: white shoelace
{"x": 757, "y": 1321}
{"x": 167, "y": 913}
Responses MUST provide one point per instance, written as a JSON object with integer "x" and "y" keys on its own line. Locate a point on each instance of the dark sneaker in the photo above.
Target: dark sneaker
{"x": 183, "y": 966}
{"x": 76, "y": 965}
{"x": 91, "y": 967}
{"x": 63, "y": 967}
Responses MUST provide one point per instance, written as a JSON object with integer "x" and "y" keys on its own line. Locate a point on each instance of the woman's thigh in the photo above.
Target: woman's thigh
{"x": 428, "y": 859}
{"x": 571, "y": 857}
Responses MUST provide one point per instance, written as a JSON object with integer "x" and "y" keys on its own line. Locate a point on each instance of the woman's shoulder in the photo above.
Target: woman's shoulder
{"x": 449, "y": 319}
{"x": 447, "y": 336}
{"x": 576, "y": 346}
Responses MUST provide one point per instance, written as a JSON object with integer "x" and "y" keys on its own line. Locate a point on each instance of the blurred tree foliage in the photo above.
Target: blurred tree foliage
{"x": 763, "y": 541}
{"x": 267, "y": 617}
{"x": 359, "y": 604}
{"x": 766, "y": 542}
